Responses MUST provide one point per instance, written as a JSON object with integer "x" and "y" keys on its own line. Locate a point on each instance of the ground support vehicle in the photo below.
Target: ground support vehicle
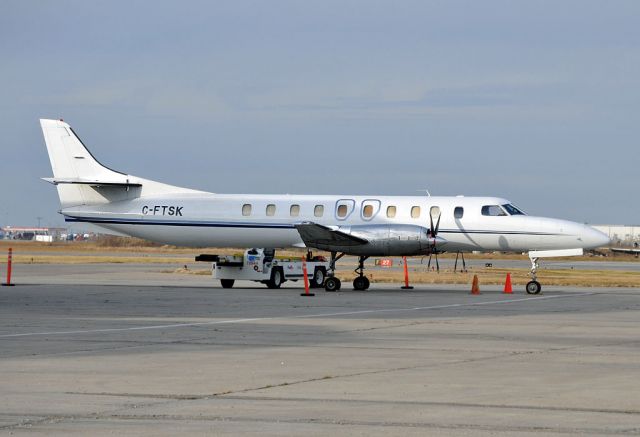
{"x": 261, "y": 265}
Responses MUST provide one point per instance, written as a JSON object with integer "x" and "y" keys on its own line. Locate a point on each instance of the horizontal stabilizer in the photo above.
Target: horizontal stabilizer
{"x": 315, "y": 235}
{"x": 92, "y": 183}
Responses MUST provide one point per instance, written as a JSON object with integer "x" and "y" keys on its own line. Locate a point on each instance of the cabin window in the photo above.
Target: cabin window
{"x": 294, "y": 211}
{"x": 367, "y": 211}
{"x": 458, "y": 212}
{"x": 342, "y": 210}
{"x": 318, "y": 211}
{"x": 493, "y": 210}
{"x": 246, "y": 209}
{"x": 415, "y": 212}
{"x": 391, "y": 211}
{"x": 512, "y": 209}
{"x": 370, "y": 208}
{"x": 271, "y": 209}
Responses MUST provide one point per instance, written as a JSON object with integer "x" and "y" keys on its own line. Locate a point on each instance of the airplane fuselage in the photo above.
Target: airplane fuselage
{"x": 206, "y": 219}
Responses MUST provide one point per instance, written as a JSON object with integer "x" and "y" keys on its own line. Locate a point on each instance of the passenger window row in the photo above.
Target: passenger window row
{"x": 368, "y": 211}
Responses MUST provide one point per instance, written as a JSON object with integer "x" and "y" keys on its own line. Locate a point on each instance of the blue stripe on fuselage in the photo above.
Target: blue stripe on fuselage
{"x": 185, "y": 223}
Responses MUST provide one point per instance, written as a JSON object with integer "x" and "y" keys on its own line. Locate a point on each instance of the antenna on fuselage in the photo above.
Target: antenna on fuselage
{"x": 426, "y": 191}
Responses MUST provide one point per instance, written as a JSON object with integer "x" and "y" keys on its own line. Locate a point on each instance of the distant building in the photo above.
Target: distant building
{"x": 30, "y": 233}
{"x": 621, "y": 234}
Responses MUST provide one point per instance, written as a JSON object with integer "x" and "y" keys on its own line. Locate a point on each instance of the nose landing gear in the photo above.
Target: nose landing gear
{"x": 533, "y": 286}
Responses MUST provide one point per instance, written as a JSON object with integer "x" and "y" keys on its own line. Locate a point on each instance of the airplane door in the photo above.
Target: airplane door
{"x": 344, "y": 208}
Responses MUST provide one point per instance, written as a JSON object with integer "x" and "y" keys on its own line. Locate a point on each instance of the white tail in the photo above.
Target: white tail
{"x": 82, "y": 180}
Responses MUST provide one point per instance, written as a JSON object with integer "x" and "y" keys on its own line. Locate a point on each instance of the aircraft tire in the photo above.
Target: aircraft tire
{"x": 533, "y": 287}
{"x": 360, "y": 283}
{"x": 367, "y": 283}
{"x": 332, "y": 284}
{"x": 276, "y": 279}
{"x": 227, "y": 283}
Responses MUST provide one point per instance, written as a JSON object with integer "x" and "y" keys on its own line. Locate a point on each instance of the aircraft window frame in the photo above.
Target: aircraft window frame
{"x": 458, "y": 212}
{"x": 246, "y": 209}
{"x": 270, "y": 210}
{"x": 512, "y": 209}
{"x": 294, "y": 210}
{"x": 416, "y": 211}
{"x": 370, "y": 209}
{"x": 487, "y": 212}
{"x": 392, "y": 210}
{"x": 318, "y": 210}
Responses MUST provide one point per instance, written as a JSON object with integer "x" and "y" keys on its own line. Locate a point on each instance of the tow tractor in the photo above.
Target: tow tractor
{"x": 261, "y": 265}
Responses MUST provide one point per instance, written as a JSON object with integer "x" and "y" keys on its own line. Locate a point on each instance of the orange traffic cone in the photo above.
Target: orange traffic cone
{"x": 475, "y": 288}
{"x": 507, "y": 285}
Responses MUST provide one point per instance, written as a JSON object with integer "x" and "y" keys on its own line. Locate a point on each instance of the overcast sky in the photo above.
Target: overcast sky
{"x": 538, "y": 102}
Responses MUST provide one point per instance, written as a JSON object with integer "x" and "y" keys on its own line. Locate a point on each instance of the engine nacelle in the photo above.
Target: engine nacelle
{"x": 392, "y": 240}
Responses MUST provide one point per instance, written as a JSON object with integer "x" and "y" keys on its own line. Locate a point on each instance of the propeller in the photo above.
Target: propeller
{"x": 434, "y": 216}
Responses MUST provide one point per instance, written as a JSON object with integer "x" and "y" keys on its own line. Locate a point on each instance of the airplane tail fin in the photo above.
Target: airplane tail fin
{"x": 70, "y": 159}
{"x": 82, "y": 180}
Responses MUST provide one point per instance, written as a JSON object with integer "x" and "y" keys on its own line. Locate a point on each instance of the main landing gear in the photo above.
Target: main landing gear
{"x": 533, "y": 286}
{"x": 332, "y": 283}
{"x": 360, "y": 283}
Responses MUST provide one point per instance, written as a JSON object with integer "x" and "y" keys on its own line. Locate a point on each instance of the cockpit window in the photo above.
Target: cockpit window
{"x": 493, "y": 210}
{"x": 512, "y": 209}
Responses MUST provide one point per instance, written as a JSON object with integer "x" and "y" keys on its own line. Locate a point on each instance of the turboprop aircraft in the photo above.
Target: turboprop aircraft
{"x": 363, "y": 226}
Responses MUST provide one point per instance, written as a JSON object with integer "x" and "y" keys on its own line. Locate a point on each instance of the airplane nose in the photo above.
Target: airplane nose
{"x": 593, "y": 238}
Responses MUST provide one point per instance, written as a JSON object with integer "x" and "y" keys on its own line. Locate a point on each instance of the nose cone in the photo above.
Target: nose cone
{"x": 592, "y": 238}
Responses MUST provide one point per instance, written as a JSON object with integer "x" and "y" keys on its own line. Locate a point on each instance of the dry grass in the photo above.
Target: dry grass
{"x": 95, "y": 259}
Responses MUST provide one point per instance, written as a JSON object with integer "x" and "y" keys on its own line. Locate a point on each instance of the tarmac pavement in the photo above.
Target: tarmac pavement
{"x": 87, "y": 350}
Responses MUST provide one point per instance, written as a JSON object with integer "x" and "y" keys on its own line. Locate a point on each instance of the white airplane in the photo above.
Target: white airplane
{"x": 343, "y": 224}
{"x": 635, "y": 250}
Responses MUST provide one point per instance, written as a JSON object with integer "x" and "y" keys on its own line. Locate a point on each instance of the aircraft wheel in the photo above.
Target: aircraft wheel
{"x": 332, "y": 284}
{"x": 318, "y": 278}
{"x": 276, "y": 279}
{"x": 227, "y": 283}
{"x": 367, "y": 283}
{"x": 533, "y": 287}
{"x": 361, "y": 283}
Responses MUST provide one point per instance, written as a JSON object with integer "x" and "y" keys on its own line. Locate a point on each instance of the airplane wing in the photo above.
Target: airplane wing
{"x": 315, "y": 235}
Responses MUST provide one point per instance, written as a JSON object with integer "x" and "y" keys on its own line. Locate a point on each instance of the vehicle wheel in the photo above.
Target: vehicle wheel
{"x": 360, "y": 283}
{"x": 533, "y": 287}
{"x": 276, "y": 279}
{"x": 227, "y": 283}
{"x": 332, "y": 284}
{"x": 366, "y": 283}
{"x": 318, "y": 278}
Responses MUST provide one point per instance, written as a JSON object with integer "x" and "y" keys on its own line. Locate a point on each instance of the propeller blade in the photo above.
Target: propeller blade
{"x": 434, "y": 216}
{"x": 432, "y": 229}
